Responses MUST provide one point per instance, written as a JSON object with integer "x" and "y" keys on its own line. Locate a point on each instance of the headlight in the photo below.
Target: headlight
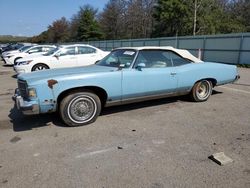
{"x": 32, "y": 92}
{"x": 24, "y": 62}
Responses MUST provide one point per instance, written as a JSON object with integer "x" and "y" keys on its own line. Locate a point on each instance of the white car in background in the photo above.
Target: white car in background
{"x": 11, "y": 58}
{"x": 64, "y": 56}
{"x": 8, "y": 53}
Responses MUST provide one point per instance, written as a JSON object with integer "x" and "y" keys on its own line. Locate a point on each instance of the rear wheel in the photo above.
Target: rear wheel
{"x": 80, "y": 108}
{"x": 201, "y": 91}
{"x": 39, "y": 66}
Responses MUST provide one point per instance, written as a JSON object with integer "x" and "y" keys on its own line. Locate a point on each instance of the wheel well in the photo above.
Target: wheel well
{"x": 100, "y": 92}
{"x": 40, "y": 64}
{"x": 212, "y": 80}
{"x": 17, "y": 59}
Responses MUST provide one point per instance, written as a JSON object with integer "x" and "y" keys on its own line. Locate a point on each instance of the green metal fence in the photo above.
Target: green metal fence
{"x": 228, "y": 48}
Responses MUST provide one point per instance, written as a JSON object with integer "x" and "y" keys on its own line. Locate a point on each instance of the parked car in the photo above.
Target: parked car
{"x": 61, "y": 57}
{"x": 11, "y": 46}
{"x": 126, "y": 75}
{"x": 23, "y": 48}
{"x": 14, "y": 46}
{"x": 2, "y": 46}
{"x": 10, "y": 59}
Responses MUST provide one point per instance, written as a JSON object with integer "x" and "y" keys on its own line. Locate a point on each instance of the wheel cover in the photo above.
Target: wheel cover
{"x": 82, "y": 109}
{"x": 203, "y": 90}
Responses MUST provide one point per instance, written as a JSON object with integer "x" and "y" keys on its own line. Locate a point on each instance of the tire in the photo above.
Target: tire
{"x": 80, "y": 108}
{"x": 39, "y": 66}
{"x": 201, "y": 91}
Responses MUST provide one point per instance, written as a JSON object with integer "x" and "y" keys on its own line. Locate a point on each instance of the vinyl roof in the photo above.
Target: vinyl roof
{"x": 182, "y": 52}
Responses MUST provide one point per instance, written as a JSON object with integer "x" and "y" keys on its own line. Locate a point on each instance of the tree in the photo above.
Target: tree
{"x": 240, "y": 11}
{"x": 171, "y": 18}
{"x": 58, "y": 31}
{"x": 113, "y": 19}
{"x": 87, "y": 26}
{"x": 139, "y": 18}
{"x": 42, "y": 38}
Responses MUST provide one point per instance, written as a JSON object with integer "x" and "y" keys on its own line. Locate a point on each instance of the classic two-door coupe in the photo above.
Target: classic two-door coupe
{"x": 125, "y": 75}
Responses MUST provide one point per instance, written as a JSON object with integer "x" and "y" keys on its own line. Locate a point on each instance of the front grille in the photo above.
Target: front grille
{"x": 22, "y": 86}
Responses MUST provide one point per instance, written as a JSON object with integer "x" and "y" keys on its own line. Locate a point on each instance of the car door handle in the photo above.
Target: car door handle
{"x": 173, "y": 73}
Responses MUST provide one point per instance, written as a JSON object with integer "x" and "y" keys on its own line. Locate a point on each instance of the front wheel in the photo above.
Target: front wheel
{"x": 80, "y": 108}
{"x": 201, "y": 91}
{"x": 39, "y": 66}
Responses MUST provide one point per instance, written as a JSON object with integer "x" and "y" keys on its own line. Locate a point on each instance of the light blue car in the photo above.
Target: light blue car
{"x": 126, "y": 75}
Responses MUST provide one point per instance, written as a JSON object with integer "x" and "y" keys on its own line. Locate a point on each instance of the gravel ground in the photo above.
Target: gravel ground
{"x": 155, "y": 144}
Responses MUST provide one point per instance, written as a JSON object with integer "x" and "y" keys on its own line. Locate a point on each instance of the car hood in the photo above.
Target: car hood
{"x": 64, "y": 73}
{"x": 34, "y": 57}
{"x": 11, "y": 52}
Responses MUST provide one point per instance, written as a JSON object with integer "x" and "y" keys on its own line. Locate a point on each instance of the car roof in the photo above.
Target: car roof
{"x": 71, "y": 45}
{"x": 182, "y": 52}
{"x": 43, "y": 45}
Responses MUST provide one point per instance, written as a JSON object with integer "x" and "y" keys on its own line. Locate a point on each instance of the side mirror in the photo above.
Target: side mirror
{"x": 121, "y": 66}
{"x": 140, "y": 66}
{"x": 97, "y": 61}
{"x": 57, "y": 56}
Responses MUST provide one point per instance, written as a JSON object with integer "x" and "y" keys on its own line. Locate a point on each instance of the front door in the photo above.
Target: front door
{"x": 152, "y": 74}
{"x": 65, "y": 58}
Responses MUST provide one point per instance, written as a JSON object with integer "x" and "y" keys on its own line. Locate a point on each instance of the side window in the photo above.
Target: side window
{"x": 178, "y": 60}
{"x": 86, "y": 50}
{"x": 154, "y": 59}
{"x": 67, "y": 51}
{"x": 47, "y": 48}
{"x": 35, "y": 50}
{"x": 119, "y": 57}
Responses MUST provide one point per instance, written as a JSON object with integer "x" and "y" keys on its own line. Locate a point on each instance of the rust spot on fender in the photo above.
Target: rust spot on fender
{"x": 51, "y": 83}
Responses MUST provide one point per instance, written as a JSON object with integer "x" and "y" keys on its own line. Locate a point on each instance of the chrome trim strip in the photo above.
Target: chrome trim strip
{"x": 144, "y": 98}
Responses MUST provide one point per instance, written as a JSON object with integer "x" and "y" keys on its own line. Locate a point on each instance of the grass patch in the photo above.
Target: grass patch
{"x": 243, "y": 65}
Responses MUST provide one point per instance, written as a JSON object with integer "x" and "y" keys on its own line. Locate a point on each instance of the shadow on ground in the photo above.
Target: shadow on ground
{"x": 25, "y": 123}
{"x": 239, "y": 84}
{"x": 14, "y": 76}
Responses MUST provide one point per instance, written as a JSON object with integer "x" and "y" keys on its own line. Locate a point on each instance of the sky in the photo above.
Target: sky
{"x": 31, "y": 17}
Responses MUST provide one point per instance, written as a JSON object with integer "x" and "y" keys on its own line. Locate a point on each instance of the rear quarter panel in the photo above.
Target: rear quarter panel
{"x": 189, "y": 74}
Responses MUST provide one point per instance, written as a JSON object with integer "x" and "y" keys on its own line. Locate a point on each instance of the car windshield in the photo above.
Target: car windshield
{"x": 51, "y": 52}
{"x": 24, "y": 48}
{"x": 118, "y": 57}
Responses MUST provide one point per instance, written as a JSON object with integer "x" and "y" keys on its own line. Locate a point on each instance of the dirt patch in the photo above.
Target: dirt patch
{"x": 15, "y": 139}
{"x": 5, "y": 72}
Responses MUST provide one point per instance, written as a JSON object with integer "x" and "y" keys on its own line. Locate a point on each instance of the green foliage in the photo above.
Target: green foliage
{"x": 171, "y": 18}
{"x": 10, "y": 38}
{"x": 176, "y": 17}
{"x": 88, "y": 27}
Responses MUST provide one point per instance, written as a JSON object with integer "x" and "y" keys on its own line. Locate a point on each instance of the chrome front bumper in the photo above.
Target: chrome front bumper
{"x": 27, "y": 107}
